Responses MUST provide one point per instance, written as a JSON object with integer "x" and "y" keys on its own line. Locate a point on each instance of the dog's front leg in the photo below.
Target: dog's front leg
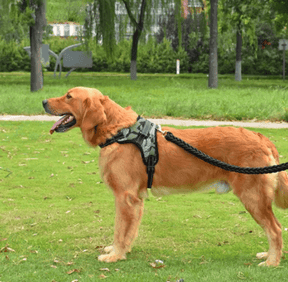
{"x": 129, "y": 210}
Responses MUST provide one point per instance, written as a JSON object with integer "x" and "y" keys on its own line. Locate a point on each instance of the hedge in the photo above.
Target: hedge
{"x": 152, "y": 58}
{"x": 13, "y": 57}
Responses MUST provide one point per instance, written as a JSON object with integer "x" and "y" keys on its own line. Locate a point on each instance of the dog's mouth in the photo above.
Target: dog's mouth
{"x": 64, "y": 123}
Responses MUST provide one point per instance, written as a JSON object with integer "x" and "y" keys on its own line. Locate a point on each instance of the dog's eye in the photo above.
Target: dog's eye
{"x": 69, "y": 96}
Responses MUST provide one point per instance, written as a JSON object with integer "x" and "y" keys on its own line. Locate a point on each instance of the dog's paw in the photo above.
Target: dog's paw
{"x": 263, "y": 263}
{"x": 268, "y": 263}
{"x": 263, "y": 255}
{"x": 111, "y": 257}
{"x": 108, "y": 249}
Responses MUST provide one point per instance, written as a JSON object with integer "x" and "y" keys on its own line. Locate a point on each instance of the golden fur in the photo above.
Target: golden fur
{"x": 122, "y": 168}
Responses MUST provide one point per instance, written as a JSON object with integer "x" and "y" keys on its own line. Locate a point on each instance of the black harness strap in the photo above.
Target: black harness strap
{"x": 150, "y": 169}
{"x": 143, "y": 135}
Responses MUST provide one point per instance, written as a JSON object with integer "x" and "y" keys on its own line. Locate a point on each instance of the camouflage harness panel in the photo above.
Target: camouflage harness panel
{"x": 143, "y": 135}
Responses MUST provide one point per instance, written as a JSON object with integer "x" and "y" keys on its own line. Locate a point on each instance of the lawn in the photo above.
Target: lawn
{"x": 56, "y": 216}
{"x": 185, "y": 96}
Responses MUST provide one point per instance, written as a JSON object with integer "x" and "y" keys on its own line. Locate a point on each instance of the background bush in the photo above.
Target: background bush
{"x": 153, "y": 57}
{"x": 13, "y": 56}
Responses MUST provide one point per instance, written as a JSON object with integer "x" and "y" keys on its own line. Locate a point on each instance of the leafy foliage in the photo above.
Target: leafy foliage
{"x": 154, "y": 57}
{"x": 281, "y": 20}
{"x": 160, "y": 58}
{"x": 14, "y": 25}
{"x": 241, "y": 16}
{"x": 193, "y": 37}
{"x": 13, "y": 56}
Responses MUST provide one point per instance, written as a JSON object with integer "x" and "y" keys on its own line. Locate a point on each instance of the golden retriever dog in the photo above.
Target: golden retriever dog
{"x": 123, "y": 170}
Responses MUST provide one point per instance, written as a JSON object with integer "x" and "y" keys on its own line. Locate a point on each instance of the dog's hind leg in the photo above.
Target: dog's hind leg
{"x": 264, "y": 255}
{"x": 257, "y": 199}
{"x": 129, "y": 210}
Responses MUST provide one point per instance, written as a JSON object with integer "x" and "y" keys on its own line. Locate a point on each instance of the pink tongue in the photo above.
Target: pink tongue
{"x": 57, "y": 123}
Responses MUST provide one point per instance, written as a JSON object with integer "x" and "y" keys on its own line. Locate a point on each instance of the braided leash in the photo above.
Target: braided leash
{"x": 202, "y": 156}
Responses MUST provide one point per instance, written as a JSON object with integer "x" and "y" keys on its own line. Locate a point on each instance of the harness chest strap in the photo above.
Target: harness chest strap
{"x": 143, "y": 135}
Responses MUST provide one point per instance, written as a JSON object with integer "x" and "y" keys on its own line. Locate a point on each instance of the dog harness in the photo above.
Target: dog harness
{"x": 143, "y": 135}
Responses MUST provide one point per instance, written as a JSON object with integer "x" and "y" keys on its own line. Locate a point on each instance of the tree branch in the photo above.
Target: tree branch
{"x": 133, "y": 20}
{"x": 138, "y": 25}
{"x": 142, "y": 14}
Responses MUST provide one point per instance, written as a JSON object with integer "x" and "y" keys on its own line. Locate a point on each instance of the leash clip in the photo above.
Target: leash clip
{"x": 160, "y": 130}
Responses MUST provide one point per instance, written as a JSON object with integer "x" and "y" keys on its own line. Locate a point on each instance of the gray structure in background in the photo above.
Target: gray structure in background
{"x": 73, "y": 59}
{"x": 45, "y": 53}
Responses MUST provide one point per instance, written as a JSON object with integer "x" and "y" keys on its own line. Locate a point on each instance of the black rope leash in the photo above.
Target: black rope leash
{"x": 202, "y": 156}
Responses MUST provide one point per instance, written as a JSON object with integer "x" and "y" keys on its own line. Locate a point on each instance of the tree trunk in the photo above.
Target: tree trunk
{"x": 134, "y": 49}
{"x": 238, "y": 75}
{"x": 138, "y": 30}
{"x": 213, "y": 58}
{"x": 36, "y": 34}
{"x": 133, "y": 70}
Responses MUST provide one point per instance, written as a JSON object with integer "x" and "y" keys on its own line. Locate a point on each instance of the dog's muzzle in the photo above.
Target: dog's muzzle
{"x": 66, "y": 122}
{"x": 46, "y": 108}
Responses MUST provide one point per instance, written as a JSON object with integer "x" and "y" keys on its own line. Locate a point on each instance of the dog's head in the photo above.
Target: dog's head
{"x": 79, "y": 107}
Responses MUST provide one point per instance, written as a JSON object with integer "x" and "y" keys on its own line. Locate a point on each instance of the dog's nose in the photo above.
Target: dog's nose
{"x": 44, "y": 103}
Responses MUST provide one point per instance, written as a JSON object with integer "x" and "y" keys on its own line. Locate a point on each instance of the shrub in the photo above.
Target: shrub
{"x": 13, "y": 57}
{"x": 160, "y": 58}
{"x": 153, "y": 57}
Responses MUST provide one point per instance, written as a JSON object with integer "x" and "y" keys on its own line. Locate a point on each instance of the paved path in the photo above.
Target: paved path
{"x": 171, "y": 121}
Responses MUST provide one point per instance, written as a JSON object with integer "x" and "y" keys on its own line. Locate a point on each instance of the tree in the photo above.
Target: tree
{"x": 36, "y": 35}
{"x": 140, "y": 13}
{"x": 4, "y": 17}
{"x": 36, "y": 11}
{"x": 193, "y": 30}
{"x": 18, "y": 18}
{"x": 242, "y": 16}
{"x": 12, "y": 23}
{"x": 213, "y": 53}
{"x": 147, "y": 7}
{"x": 281, "y": 20}
{"x": 138, "y": 27}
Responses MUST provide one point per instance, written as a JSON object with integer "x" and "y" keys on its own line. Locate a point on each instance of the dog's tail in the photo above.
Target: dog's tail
{"x": 281, "y": 193}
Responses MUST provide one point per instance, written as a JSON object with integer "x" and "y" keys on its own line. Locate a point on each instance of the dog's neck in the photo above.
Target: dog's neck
{"x": 118, "y": 116}
{"x": 116, "y": 119}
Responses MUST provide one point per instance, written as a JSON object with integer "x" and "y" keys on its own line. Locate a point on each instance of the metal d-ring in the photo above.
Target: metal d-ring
{"x": 160, "y": 130}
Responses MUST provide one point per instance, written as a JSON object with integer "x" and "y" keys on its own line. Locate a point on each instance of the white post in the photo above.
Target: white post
{"x": 177, "y": 66}
{"x": 283, "y": 44}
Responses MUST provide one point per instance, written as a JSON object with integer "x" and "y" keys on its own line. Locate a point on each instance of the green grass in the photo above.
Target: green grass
{"x": 185, "y": 96}
{"x": 55, "y": 211}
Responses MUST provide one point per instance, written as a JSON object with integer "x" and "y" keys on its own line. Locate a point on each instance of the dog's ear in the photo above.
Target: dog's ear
{"x": 94, "y": 114}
